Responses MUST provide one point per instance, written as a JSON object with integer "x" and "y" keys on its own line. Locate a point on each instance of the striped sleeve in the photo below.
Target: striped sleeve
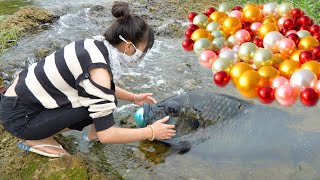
{"x": 100, "y": 102}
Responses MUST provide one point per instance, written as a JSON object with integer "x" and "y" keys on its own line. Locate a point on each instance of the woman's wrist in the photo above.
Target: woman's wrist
{"x": 134, "y": 97}
{"x": 152, "y": 132}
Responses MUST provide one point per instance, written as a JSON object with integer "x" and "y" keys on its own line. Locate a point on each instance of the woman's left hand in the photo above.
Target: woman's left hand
{"x": 144, "y": 98}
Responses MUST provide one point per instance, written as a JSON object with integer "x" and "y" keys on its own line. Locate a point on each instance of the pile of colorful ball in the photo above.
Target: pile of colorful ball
{"x": 268, "y": 51}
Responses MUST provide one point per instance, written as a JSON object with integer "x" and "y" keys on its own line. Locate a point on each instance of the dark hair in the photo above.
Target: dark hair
{"x": 130, "y": 26}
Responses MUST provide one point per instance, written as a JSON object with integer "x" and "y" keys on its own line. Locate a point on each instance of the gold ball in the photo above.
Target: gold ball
{"x": 313, "y": 66}
{"x": 238, "y": 69}
{"x": 267, "y": 27}
{"x": 268, "y": 73}
{"x": 295, "y": 55}
{"x": 231, "y": 25}
{"x": 288, "y": 67}
{"x": 269, "y": 19}
{"x": 201, "y": 33}
{"x": 278, "y": 59}
{"x": 308, "y": 43}
{"x": 249, "y": 83}
{"x": 252, "y": 14}
{"x": 217, "y": 16}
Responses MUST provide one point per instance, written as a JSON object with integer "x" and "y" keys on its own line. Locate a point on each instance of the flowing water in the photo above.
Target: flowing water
{"x": 266, "y": 142}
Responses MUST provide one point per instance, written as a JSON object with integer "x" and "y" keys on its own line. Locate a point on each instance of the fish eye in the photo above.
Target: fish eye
{"x": 172, "y": 108}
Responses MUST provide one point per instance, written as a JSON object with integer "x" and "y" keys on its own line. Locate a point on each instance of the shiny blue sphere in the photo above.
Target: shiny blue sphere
{"x": 138, "y": 118}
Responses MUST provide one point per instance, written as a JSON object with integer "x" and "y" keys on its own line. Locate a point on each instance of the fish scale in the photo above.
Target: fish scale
{"x": 196, "y": 111}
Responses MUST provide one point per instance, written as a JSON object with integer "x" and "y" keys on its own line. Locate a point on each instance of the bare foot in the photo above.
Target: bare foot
{"x": 48, "y": 149}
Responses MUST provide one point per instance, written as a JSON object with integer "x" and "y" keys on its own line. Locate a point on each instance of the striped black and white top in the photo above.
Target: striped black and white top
{"x": 62, "y": 79}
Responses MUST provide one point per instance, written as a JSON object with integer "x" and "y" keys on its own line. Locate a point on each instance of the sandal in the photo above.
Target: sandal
{"x": 34, "y": 149}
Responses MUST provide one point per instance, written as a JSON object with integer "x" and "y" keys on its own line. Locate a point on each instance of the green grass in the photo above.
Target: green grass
{"x": 8, "y": 38}
{"x": 11, "y": 6}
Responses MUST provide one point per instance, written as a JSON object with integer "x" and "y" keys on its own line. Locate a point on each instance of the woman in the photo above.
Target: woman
{"x": 74, "y": 87}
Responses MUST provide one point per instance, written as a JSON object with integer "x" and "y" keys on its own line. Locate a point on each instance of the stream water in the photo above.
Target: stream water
{"x": 266, "y": 142}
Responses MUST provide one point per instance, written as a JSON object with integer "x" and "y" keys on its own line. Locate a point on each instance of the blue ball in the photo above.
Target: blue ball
{"x": 138, "y": 118}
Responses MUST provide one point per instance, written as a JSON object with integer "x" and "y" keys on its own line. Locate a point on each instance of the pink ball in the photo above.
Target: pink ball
{"x": 236, "y": 48}
{"x": 255, "y": 26}
{"x": 286, "y": 46}
{"x": 242, "y": 36}
{"x": 290, "y": 32}
{"x": 317, "y": 87}
{"x": 224, "y": 48}
{"x": 276, "y": 82}
{"x": 235, "y": 13}
{"x": 285, "y": 95}
{"x": 281, "y": 21}
{"x": 207, "y": 57}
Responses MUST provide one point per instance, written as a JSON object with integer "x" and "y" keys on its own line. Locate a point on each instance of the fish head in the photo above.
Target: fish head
{"x": 150, "y": 113}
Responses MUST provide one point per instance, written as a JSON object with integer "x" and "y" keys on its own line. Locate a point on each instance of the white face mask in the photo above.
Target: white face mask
{"x": 133, "y": 60}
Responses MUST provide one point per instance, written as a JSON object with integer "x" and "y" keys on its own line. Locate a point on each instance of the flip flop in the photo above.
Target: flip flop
{"x": 33, "y": 149}
{"x": 86, "y": 138}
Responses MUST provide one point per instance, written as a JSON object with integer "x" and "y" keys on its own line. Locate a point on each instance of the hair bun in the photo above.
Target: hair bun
{"x": 120, "y": 9}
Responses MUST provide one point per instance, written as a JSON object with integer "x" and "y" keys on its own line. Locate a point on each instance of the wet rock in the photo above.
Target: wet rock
{"x": 190, "y": 84}
{"x": 42, "y": 53}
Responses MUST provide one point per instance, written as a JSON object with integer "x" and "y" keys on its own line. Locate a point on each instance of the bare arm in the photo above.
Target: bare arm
{"x": 135, "y": 98}
{"x": 125, "y": 135}
{"x": 124, "y": 94}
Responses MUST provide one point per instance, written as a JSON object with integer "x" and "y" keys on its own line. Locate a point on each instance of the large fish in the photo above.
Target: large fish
{"x": 190, "y": 113}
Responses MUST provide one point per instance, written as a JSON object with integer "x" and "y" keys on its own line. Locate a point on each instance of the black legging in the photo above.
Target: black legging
{"x": 26, "y": 123}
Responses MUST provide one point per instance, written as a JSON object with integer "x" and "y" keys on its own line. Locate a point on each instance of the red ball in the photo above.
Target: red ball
{"x": 266, "y": 95}
{"x": 314, "y": 29}
{"x": 317, "y": 36}
{"x": 204, "y": 13}
{"x": 316, "y": 52}
{"x": 284, "y": 31}
{"x": 221, "y": 78}
{"x": 210, "y": 10}
{"x": 296, "y": 13}
{"x": 309, "y": 97}
{"x": 193, "y": 26}
{"x": 191, "y": 15}
{"x": 306, "y": 56}
{"x": 304, "y": 27}
{"x": 288, "y": 24}
{"x": 246, "y": 25}
{"x": 294, "y": 37}
{"x": 305, "y": 20}
{"x": 257, "y": 41}
{"x": 188, "y": 33}
{"x": 239, "y": 8}
{"x": 187, "y": 44}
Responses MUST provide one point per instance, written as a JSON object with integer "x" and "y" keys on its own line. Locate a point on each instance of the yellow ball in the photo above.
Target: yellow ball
{"x": 249, "y": 83}
{"x": 252, "y": 14}
{"x": 267, "y": 27}
{"x": 308, "y": 43}
{"x": 295, "y": 55}
{"x": 201, "y": 33}
{"x": 268, "y": 73}
{"x": 288, "y": 67}
{"x": 313, "y": 66}
{"x": 238, "y": 69}
{"x": 217, "y": 16}
{"x": 231, "y": 25}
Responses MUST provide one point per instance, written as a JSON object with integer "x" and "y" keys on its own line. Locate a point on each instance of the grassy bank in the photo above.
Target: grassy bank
{"x": 26, "y": 20}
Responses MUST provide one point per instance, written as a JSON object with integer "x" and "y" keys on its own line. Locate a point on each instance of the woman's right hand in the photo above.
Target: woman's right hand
{"x": 163, "y": 130}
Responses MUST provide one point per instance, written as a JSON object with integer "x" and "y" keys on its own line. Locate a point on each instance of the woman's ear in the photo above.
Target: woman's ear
{"x": 128, "y": 48}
